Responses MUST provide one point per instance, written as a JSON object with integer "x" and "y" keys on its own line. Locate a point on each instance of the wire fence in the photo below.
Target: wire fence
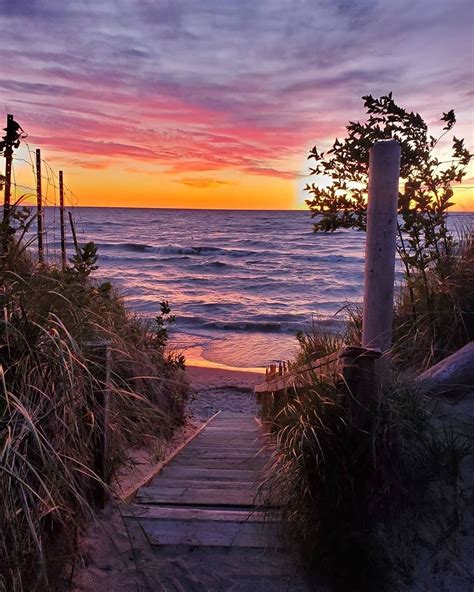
{"x": 21, "y": 191}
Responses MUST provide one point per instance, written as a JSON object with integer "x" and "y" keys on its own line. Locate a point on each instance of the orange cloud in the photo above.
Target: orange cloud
{"x": 203, "y": 183}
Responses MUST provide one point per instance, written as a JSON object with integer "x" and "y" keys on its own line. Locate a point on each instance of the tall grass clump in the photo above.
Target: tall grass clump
{"x": 48, "y": 415}
{"x": 361, "y": 486}
{"x": 434, "y": 313}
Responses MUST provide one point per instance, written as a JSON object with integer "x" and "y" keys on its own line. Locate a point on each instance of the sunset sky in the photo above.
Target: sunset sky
{"x": 215, "y": 103}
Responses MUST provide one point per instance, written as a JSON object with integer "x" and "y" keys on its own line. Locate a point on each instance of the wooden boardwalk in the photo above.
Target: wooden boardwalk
{"x": 197, "y": 527}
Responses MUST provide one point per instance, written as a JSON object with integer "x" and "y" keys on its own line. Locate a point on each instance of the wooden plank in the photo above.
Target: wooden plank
{"x": 231, "y": 438}
{"x": 198, "y": 497}
{"x": 128, "y": 495}
{"x": 228, "y": 445}
{"x": 217, "y": 453}
{"x": 182, "y": 472}
{"x": 249, "y": 569}
{"x": 237, "y": 432}
{"x": 210, "y": 533}
{"x": 221, "y": 463}
{"x": 161, "y": 482}
{"x": 195, "y": 514}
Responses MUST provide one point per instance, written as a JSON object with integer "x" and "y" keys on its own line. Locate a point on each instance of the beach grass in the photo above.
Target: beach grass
{"x": 48, "y": 412}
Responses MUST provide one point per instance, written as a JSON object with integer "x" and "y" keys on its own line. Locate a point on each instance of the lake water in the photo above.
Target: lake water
{"x": 241, "y": 283}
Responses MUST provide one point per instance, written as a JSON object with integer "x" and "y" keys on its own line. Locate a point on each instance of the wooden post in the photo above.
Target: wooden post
{"x": 98, "y": 355}
{"x": 39, "y": 204}
{"x": 61, "y": 221}
{"x": 384, "y": 171}
{"x": 8, "y": 152}
{"x": 73, "y": 231}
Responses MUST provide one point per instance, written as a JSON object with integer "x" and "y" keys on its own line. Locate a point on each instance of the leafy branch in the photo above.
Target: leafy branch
{"x": 424, "y": 200}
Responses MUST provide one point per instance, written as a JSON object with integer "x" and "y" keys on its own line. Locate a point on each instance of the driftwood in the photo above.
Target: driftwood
{"x": 454, "y": 374}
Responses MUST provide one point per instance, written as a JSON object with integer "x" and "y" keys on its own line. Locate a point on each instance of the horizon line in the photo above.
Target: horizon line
{"x": 307, "y": 210}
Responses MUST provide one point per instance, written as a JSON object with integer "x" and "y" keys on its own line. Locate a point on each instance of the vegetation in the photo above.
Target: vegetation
{"x": 360, "y": 481}
{"x": 434, "y": 332}
{"x": 424, "y": 241}
{"x": 444, "y": 317}
{"x": 360, "y": 486}
{"x": 48, "y": 413}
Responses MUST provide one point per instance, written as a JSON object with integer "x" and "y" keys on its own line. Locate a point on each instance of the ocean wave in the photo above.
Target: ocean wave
{"x": 278, "y": 324}
{"x": 176, "y": 249}
{"x": 333, "y": 258}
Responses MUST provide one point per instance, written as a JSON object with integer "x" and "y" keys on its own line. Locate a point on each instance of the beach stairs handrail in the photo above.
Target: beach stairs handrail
{"x": 350, "y": 365}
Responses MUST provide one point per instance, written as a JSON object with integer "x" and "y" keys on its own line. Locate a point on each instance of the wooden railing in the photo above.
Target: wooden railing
{"x": 351, "y": 366}
{"x": 334, "y": 366}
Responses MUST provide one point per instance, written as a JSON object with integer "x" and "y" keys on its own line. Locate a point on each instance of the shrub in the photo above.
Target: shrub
{"x": 424, "y": 242}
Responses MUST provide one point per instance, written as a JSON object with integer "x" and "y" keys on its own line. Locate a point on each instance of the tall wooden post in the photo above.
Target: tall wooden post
{"x": 39, "y": 204}
{"x": 380, "y": 249}
{"x": 73, "y": 232}
{"x": 8, "y": 153}
{"x": 98, "y": 355}
{"x": 61, "y": 220}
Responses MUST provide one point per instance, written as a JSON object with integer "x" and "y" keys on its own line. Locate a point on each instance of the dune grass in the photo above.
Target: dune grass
{"x": 363, "y": 486}
{"x": 434, "y": 313}
{"x": 48, "y": 415}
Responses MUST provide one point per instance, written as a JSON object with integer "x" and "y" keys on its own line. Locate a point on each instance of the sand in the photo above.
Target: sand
{"x": 217, "y": 389}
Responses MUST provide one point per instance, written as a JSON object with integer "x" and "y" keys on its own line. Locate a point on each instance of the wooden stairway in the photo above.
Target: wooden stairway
{"x": 197, "y": 526}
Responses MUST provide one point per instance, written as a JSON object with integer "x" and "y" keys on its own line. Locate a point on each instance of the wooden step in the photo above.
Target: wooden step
{"x": 199, "y": 497}
{"x": 171, "y": 483}
{"x": 234, "y": 454}
{"x": 210, "y": 533}
{"x": 207, "y": 514}
{"x": 217, "y": 474}
{"x": 219, "y": 463}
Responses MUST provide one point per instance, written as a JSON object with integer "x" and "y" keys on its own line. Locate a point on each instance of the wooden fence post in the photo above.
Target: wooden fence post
{"x": 380, "y": 250}
{"x": 73, "y": 231}
{"x": 8, "y": 153}
{"x": 98, "y": 355}
{"x": 61, "y": 221}
{"x": 39, "y": 203}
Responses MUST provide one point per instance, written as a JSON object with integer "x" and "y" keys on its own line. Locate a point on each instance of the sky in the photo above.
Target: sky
{"x": 216, "y": 103}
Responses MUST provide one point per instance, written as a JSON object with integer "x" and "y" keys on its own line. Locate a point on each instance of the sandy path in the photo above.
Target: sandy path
{"x": 108, "y": 558}
{"x": 225, "y": 390}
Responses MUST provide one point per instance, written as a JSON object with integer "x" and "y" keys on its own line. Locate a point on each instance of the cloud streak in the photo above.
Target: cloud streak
{"x": 203, "y": 182}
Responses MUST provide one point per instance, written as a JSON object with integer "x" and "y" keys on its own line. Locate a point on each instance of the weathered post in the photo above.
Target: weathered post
{"x": 39, "y": 206}
{"x": 380, "y": 250}
{"x": 73, "y": 231}
{"x": 98, "y": 355}
{"x": 61, "y": 220}
{"x": 8, "y": 153}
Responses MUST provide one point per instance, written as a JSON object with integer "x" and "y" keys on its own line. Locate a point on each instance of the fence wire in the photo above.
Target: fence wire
{"x": 24, "y": 193}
